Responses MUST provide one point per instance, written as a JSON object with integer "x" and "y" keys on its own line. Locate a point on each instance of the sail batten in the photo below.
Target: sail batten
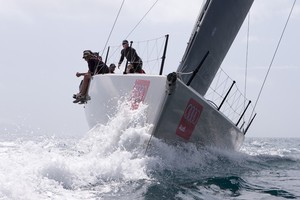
{"x": 215, "y": 30}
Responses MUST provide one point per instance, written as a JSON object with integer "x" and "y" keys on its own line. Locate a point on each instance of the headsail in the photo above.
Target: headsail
{"x": 216, "y": 27}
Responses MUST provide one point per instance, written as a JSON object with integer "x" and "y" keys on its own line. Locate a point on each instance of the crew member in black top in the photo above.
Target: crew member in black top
{"x": 96, "y": 66}
{"x": 135, "y": 62}
{"x": 112, "y": 68}
{"x": 101, "y": 68}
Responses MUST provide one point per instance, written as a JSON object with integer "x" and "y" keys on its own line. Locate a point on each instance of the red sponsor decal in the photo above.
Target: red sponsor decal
{"x": 189, "y": 119}
{"x": 139, "y": 92}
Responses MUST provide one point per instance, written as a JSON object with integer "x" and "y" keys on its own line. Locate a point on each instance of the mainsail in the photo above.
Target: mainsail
{"x": 215, "y": 29}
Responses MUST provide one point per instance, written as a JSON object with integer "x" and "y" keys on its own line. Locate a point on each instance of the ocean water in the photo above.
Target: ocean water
{"x": 111, "y": 162}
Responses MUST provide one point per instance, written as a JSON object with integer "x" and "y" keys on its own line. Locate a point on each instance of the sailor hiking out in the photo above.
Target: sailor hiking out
{"x": 95, "y": 66}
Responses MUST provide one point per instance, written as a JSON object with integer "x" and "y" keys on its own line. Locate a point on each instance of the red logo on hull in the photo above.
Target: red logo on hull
{"x": 189, "y": 119}
{"x": 139, "y": 92}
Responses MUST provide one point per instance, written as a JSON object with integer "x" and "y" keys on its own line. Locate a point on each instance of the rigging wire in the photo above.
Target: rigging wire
{"x": 150, "y": 50}
{"x": 134, "y": 26}
{"x": 141, "y": 19}
{"x": 283, "y": 31}
{"x": 247, "y": 54}
{"x": 113, "y": 27}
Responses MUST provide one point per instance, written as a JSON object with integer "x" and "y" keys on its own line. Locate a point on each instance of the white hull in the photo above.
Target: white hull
{"x": 182, "y": 115}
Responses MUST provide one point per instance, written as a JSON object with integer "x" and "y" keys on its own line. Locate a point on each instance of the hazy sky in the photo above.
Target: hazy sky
{"x": 41, "y": 46}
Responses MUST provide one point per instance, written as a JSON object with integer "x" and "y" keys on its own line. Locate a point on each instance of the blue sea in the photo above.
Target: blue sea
{"x": 111, "y": 162}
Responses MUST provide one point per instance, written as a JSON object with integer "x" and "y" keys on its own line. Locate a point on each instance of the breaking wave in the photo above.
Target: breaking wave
{"x": 111, "y": 162}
